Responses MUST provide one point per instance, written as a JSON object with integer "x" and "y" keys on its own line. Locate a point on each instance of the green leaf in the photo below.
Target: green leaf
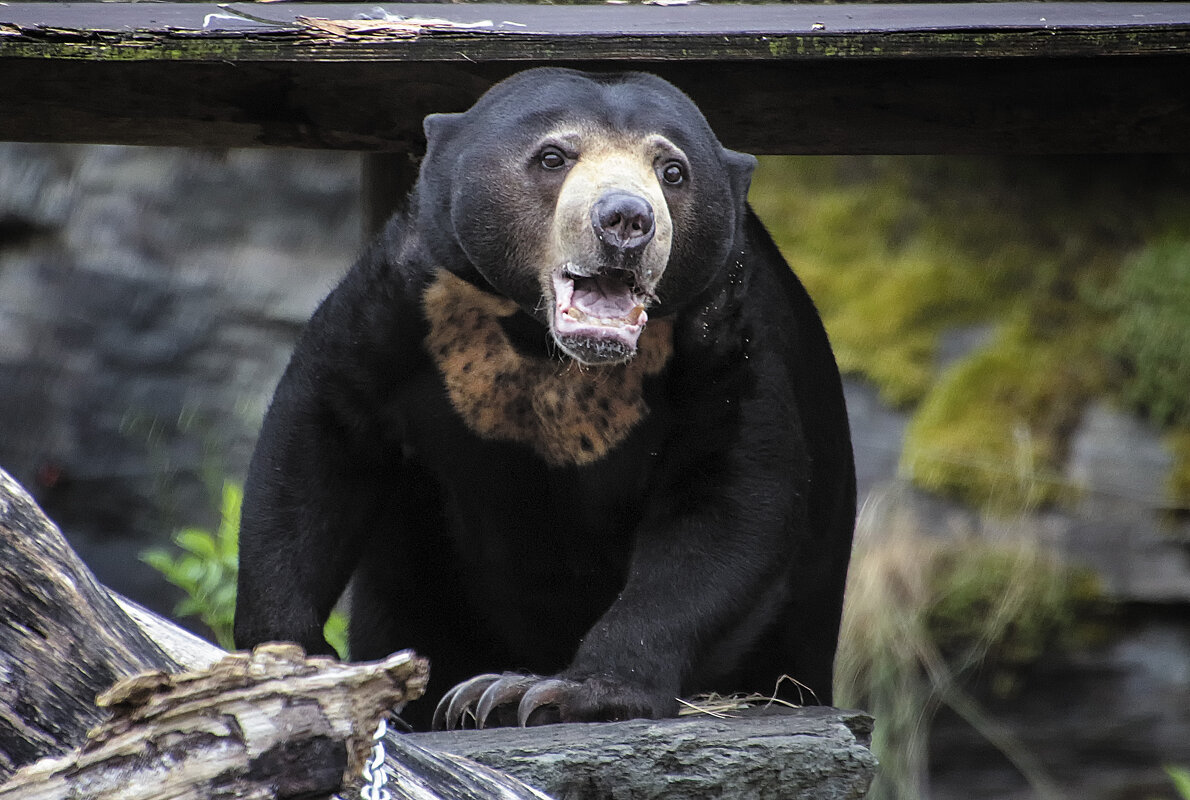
{"x": 1181, "y": 780}
{"x": 187, "y": 607}
{"x": 190, "y": 570}
{"x": 335, "y": 633}
{"x": 205, "y": 566}
{"x": 229, "y": 524}
{"x": 223, "y": 636}
{"x": 159, "y": 559}
{"x": 198, "y": 542}
{"x": 223, "y": 600}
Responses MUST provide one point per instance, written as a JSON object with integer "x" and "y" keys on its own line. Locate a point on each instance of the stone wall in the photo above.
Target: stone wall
{"x": 149, "y": 299}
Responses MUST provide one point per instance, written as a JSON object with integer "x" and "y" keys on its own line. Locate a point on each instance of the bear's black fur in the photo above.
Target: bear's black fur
{"x": 571, "y": 415}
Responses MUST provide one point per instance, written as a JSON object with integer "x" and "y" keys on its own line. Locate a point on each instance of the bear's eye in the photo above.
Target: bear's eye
{"x": 673, "y": 173}
{"x": 551, "y": 158}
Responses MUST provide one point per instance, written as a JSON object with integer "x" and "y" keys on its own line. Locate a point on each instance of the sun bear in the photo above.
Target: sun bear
{"x": 571, "y": 427}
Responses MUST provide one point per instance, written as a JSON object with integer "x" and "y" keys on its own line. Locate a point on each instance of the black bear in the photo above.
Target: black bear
{"x": 571, "y": 425}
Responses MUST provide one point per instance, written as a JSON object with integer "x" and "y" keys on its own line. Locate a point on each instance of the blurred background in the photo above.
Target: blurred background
{"x": 1015, "y": 335}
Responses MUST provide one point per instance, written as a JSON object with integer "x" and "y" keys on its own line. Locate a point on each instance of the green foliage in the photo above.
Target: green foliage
{"x": 206, "y": 566}
{"x": 1181, "y": 780}
{"x": 335, "y": 632}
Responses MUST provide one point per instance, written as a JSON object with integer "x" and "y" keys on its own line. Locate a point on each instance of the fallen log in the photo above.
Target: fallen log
{"x": 273, "y": 724}
{"x": 63, "y": 638}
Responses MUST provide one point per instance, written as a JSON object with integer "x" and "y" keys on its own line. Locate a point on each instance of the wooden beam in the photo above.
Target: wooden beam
{"x": 533, "y": 32}
{"x": 782, "y": 78}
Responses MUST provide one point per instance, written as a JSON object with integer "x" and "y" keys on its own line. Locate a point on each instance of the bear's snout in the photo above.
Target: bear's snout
{"x": 623, "y": 222}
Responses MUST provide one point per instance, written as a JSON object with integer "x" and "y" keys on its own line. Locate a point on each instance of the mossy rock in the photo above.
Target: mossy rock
{"x": 993, "y": 430}
{"x": 1067, "y": 258}
{"x": 1150, "y": 337}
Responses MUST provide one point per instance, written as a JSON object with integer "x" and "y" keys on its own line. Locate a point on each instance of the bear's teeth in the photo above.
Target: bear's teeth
{"x": 633, "y": 317}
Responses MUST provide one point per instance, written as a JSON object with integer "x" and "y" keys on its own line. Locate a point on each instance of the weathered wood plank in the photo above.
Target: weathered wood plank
{"x": 207, "y": 32}
{"x": 985, "y": 77}
{"x": 921, "y": 106}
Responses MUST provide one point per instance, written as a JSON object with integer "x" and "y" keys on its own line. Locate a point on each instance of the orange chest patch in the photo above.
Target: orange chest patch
{"x": 568, "y": 413}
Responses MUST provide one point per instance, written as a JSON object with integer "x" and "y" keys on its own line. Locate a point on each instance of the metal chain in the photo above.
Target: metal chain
{"x": 375, "y": 773}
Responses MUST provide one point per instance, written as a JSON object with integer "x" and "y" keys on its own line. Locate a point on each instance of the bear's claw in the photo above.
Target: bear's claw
{"x": 460, "y": 701}
{"x": 547, "y": 692}
{"x": 482, "y": 695}
{"x": 509, "y": 689}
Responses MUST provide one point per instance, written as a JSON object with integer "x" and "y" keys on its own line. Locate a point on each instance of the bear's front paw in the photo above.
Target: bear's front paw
{"x": 499, "y": 700}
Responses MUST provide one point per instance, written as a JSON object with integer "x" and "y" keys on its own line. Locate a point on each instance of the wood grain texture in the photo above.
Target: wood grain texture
{"x": 269, "y": 725}
{"x": 63, "y": 639}
{"x": 781, "y": 78}
{"x": 774, "y": 31}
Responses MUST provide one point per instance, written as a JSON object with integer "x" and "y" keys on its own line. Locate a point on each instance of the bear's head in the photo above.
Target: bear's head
{"x": 591, "y": 200}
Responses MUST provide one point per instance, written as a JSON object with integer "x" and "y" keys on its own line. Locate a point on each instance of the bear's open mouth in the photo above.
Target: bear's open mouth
{"x": 597, "y": 318}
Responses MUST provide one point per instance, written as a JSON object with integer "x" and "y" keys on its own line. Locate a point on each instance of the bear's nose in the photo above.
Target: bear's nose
{"x": 623, "y": 221}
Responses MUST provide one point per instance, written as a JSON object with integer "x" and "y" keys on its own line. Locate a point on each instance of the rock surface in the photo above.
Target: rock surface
{"x": 149, "y": 299}
{"x": 807, "y": 753}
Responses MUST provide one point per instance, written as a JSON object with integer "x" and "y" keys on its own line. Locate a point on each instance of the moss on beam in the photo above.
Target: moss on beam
{"x": 303, "y": 46}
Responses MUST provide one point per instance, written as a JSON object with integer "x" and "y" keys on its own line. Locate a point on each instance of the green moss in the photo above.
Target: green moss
{"x": 1179, "y": 478}
{"x": 884, "y": 278}
{"x": 993, "y": 430}
{"x": 780, "y": 47}
{"x": 1150, "y": 337}
{"x": 149, "y": 49}
{"x": 896, "y": 251}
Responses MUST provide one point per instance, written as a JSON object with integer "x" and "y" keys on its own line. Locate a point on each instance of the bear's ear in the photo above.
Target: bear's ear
{"x": 739, "y": 169}
{"x": 438, "y": 127}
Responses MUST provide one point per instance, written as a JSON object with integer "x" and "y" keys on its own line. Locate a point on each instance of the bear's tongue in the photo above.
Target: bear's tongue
{"x": 597, "y": 301}
{"x": 607, "y": 299}
{"x": 599, "y": 316}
